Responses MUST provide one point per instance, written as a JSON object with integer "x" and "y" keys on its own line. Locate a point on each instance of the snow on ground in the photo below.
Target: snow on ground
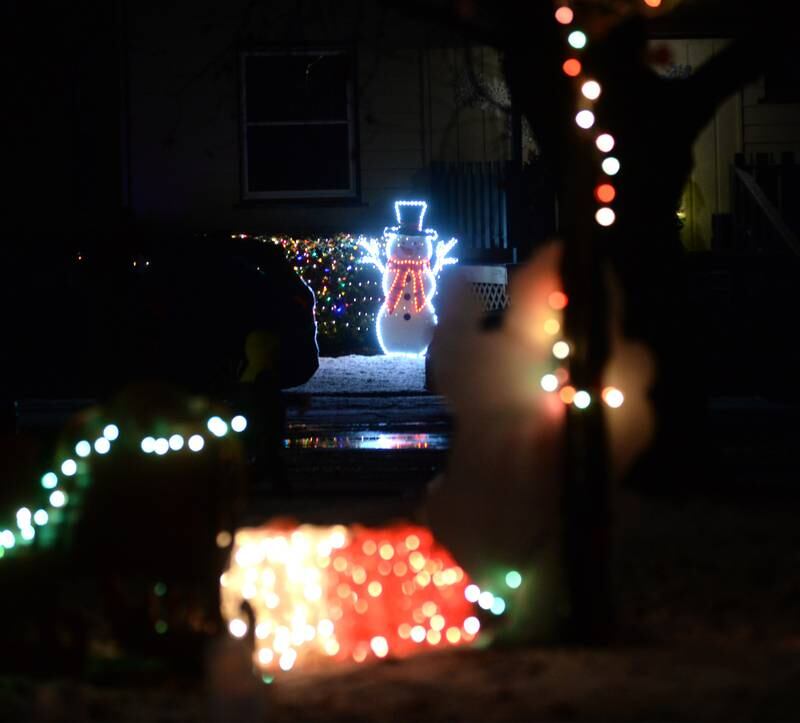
{"x": 357, "y": 373}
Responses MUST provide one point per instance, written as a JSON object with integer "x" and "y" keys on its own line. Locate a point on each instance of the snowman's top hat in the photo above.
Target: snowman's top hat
{"x": 410, "y": 215}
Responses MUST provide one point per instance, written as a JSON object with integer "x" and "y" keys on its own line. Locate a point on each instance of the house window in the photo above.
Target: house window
{"x": 298, "y": 124}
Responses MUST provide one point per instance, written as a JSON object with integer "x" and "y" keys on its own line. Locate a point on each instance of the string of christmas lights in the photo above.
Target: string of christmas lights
{"x": 589, "y": 91}
{"x": 348, "y": 296}
{"x": 38, "y": 521}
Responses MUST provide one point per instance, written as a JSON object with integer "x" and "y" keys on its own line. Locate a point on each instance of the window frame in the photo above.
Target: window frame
{"x": 350, "y": 193}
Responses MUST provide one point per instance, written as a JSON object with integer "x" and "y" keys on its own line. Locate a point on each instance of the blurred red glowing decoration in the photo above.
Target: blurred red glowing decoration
{"x": 572, "y": 67}
{"x": 344, "y": 594}
{"x": 605, "y": 193}
{"x": 652, "y": 3}
{"x": 557, "y": 300}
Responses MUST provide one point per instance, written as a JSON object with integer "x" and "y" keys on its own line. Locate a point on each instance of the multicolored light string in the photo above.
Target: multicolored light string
{"x": 60, "y": 488}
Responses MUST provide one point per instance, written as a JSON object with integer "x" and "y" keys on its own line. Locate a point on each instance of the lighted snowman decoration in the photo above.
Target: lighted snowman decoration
{"x": 407, "y": 319}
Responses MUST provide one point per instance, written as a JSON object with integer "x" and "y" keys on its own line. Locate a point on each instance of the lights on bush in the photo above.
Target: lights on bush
{"x": 40, "y": 517}
{"x": 111, "y": 432}
{"x": 49, "y": 481}
{"x": 513, "y": 579}
{"x": 58, "y": 498}
{"x": 83, "y": 448}
{"x": 196, "y": 443}
{"x": 102, "y": 445}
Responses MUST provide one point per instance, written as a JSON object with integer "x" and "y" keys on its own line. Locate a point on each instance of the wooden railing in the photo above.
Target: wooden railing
{"x": 760, "y": 218}
{"x": 471, "y": 202}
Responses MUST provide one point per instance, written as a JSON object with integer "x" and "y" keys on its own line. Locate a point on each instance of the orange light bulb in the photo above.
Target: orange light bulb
{"x": 605, "y": 193}
{"x": 572, "y": 67}
{"x": 564, "y": 15}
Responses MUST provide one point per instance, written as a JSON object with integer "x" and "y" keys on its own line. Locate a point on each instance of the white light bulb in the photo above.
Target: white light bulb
{"x": 605, "y": 142}
{"x": 196, "y": 443}
{"x": 58, "y": 498}
{"x": 549, "y": 382}
{"x": 148, "y": 445}
{"x": 69, "y": 467}
{"x": 23, "y": 517}
{"x": 176, "y": 442}
{"x": 591, "y": 89}
{"x": 582, "y": 399}
{"x": 111, "y": 432}
{"x": 238, "y": 423}
{"x": 472, "y": 593}
{"x": 161, "y": 446}
{"x": 585, "y": 119}
{"x": 611, "y": 166}
{"x": 605, "y": 216}
{"x": 561, "y": 350}
{"x": 217, "y": 426}
{"x": 102, "y": 445}
{"x": 577, "y": 39}
{"x": 40, "y": 517}
{"x": 83, "y": 448}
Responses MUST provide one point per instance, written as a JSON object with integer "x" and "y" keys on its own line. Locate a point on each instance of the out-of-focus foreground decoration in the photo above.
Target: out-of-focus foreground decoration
{"x": 348, "y": 296}
{"x": 63, "y": 486}
{"x": 407, "y": 317}
{"x": 499, "y": 502}
{"x": 314, "y": 596}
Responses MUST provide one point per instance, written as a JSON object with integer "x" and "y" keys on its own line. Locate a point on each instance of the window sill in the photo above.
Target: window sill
{"x": 255, "y": 203}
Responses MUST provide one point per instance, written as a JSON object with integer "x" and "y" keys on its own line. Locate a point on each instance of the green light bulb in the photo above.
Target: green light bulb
{"x": 513, "y": 579}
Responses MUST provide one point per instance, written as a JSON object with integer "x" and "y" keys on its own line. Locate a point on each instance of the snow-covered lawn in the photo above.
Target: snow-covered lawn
{"x": 356, "y": 373}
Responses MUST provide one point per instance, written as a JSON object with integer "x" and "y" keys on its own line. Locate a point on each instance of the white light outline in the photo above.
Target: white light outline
{"x": 390, "y": 234}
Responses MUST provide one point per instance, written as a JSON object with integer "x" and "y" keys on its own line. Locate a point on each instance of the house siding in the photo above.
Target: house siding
{"x": 185, "y": 114}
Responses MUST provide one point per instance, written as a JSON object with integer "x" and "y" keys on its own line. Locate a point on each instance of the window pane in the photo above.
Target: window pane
{"x": 296, "y": 87}
{"x": 298, "y": 158}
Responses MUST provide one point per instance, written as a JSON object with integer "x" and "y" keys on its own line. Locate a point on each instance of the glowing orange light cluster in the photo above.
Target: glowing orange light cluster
{"x": 653, "y": 3}
{"x": 344, "y": 594}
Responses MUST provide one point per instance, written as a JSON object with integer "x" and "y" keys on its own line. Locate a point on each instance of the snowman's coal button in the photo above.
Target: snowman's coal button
{"x": 407, "y": 296}
{"x": 407, "y": 317}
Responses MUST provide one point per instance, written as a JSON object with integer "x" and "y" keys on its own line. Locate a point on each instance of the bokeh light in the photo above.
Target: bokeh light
{"x": 561, "y": 350}
{"x": 557, "y": 300}
{"x": 582, "y": 399}
{"x": 585, "y": 119}
{"x": 591, "y": 89}
{"x": 605, "y": 193}
{"x": 613, "y": 397}
{"x": 196, "y": 443}
{"x": 572, "y": 67}
{"x": 83, "y": 448}
{"x": 564, "y": 15}
{"x": 605, "y": 216}
{"x": 69, "y": 467}
{"x": 567, "y": 394}
{"x": 611, "y": 166}
{"x": 605, "y": 142}
{"x": 549, "y": 382}
{"x": 577, "y": 39}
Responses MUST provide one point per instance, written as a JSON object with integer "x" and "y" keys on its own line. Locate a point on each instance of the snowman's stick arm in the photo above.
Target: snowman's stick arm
{"x": 442, "y": 260}
{"x": 373, "y": 253}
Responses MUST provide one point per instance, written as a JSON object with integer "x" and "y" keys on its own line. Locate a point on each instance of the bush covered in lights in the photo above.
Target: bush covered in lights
{"x": 348, "y": 292}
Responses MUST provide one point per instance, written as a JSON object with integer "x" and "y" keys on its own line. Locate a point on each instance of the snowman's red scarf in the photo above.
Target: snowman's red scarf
{"x": 402, "y": 270}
